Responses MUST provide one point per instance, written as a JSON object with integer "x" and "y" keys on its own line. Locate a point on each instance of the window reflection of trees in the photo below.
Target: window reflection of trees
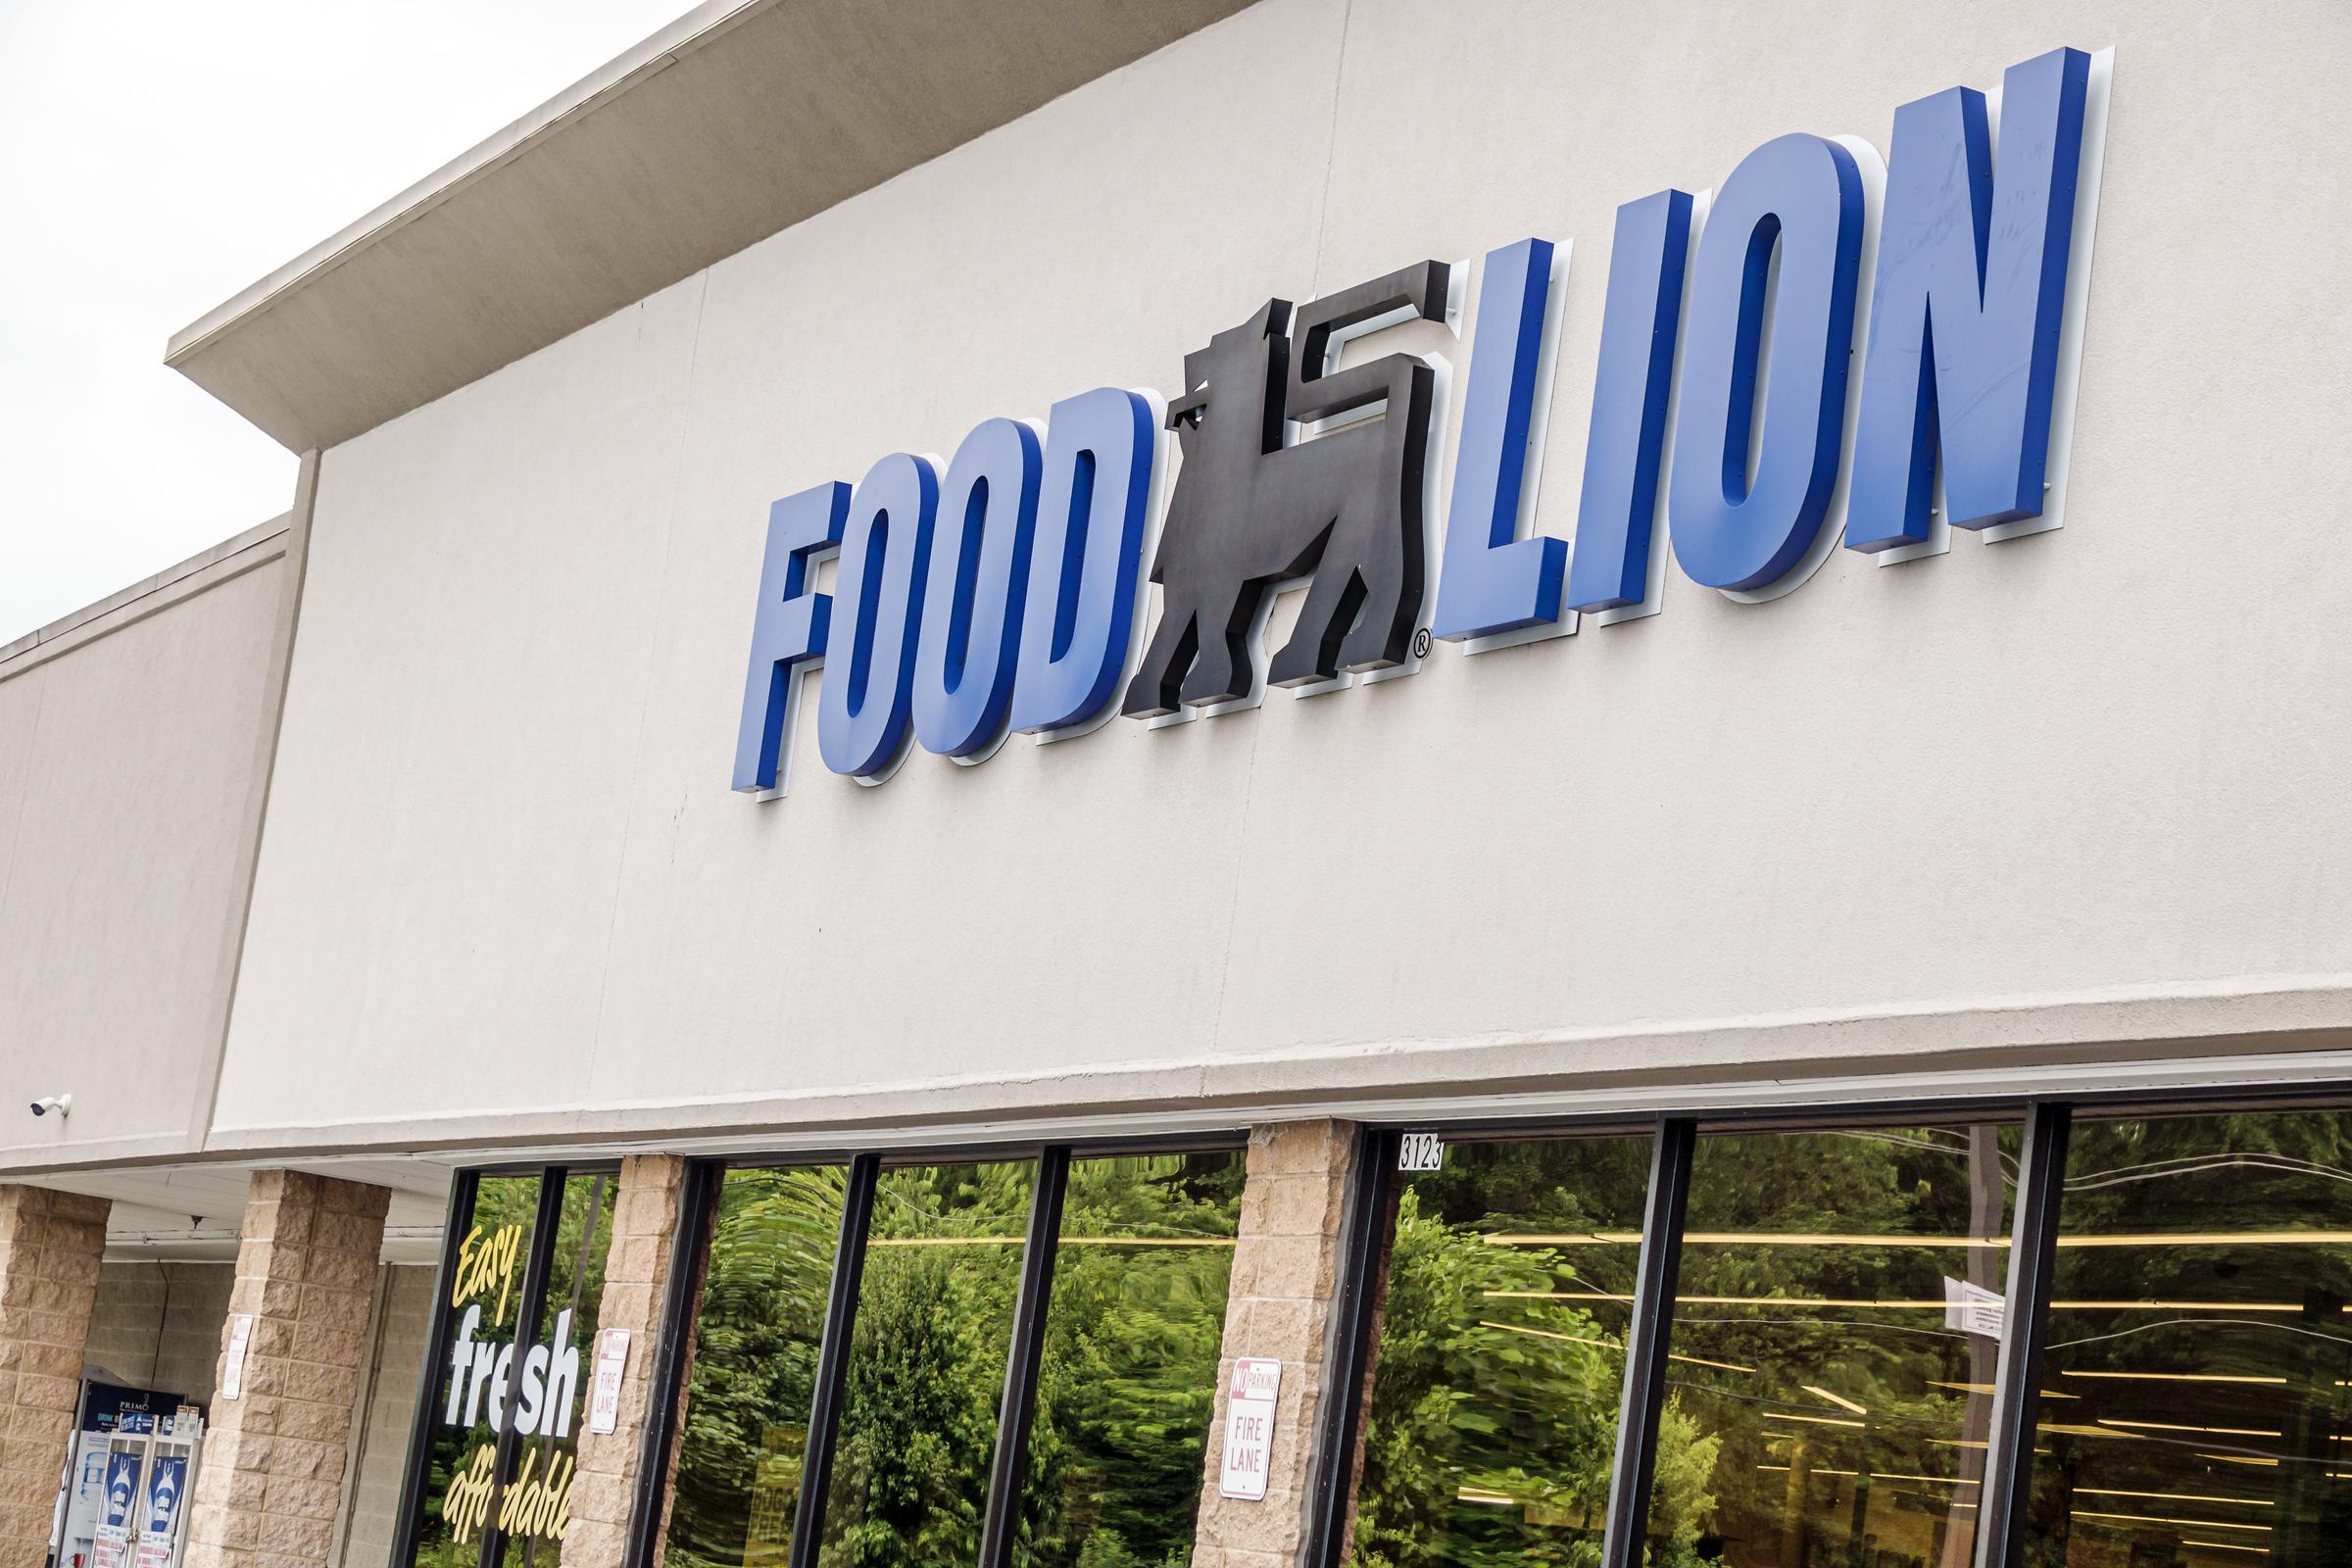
{"x": 2198, "y": 1328}
{"x": 1819, "y": 1410}
{"x": 1126, "y": 1387}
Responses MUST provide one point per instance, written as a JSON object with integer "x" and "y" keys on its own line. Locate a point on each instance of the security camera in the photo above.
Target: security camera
{"x": 63, "y": 1105}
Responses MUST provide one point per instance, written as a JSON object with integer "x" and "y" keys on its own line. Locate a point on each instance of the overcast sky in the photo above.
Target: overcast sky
{"x": 158, "y": 156}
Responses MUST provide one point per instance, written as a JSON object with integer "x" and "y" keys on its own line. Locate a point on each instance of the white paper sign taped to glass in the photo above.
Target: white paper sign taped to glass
{"x": 1972, "y": 1309}
{"x": 1250, "y": 1428}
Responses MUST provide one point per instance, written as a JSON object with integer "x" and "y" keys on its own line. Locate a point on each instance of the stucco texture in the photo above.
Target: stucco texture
{"x": 505, "y": 885}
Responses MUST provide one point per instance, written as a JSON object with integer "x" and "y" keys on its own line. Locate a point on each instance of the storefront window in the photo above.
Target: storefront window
{"x": 2200, "y": 1347}
{"x": 484, "y": 1302}
{"x": 1500, "y": 1358}
{"x": 504, "y": 1428}
{"x": 1128, "y": 1382}
{"x": 1836, "y": 1330}
{"x": 757, "y": 1337}
{"x": 926, "y": 1368}
{"x": 550, "y": 1398}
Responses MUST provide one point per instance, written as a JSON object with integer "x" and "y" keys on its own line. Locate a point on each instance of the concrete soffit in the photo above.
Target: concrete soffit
{"x": 739, "y": 120}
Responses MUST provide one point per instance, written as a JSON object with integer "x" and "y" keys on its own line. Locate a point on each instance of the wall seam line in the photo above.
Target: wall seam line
{"x": 644, "y": 707}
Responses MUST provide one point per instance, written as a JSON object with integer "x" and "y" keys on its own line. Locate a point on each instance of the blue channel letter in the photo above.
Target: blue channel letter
{"x": 1493, "y": 580}
{"x": 869, "y": 652}
{"x": 1087, "y": 559}
{"x": 1963, "y": 341}
{"x": 1620, "y": 498}
{"x": 979, "y": 583}
{"x": 788, "y": 627}
{"x": 1802, "y": 196}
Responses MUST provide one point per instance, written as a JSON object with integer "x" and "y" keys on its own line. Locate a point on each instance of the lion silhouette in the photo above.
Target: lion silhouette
{"x": 1249, "y": 512}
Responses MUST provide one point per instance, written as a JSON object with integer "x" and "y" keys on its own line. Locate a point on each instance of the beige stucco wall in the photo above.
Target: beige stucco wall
{"x": 130, "y": 765}
{"x": 2081, "y": 788}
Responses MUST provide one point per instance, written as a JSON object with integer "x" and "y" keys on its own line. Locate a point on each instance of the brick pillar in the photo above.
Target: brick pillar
{"x": 272, "y": 1475}
{"x": 1285, "y": 1268}
{"x": 645, "y": 1227}
{"x": 51, "y": 1245}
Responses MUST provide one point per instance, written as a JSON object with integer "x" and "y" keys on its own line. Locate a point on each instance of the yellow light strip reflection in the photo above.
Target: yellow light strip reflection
{"x": 2175, "y": 1377}
{"x": 2224, "y": 1546}
{"x": 1818, "y": 1420}
{"x": 1837, "y": 1399}
{"x": 2168, "y": 1426}
{"x": 2151, "y": 1519}
{"x": 1494, "y": 1499}
{"x": 1940, "y": 1481}
{"x": 1876, "y": 1475}
{"x": 1987, "y": 1388}
{"x": 1609, "y": 1345}
{"x": 2239, "y": 1458}
{"x": 2172, "y": 1496}
{"x": 1738, "y": 1239}
{"x": 1814, "y": 1239}
{"x": 1063, "y": 1240}
{"x": 1905, "y": 1306}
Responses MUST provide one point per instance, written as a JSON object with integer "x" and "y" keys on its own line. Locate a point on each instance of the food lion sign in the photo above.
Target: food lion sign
{"x": 1250, "y": 1428}
{"x": 1827, "y": 348}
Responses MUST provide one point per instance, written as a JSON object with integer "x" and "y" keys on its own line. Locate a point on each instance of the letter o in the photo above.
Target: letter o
{"x": 978, "y": 585}
{"x": 877, "y": 610}
{"x": 1806, "y": 193}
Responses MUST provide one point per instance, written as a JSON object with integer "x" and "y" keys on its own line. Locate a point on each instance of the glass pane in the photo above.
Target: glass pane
{"x": 1499, "y": 1355}
{"x": 1127, "y": 1385}
{"x": 926, "y": 1367}
{"x": 757, "y": 1333}
{"x": 552, "y": 1393}
{"x": 1836, "y": 1330}
{"x": 485, "y": 1298}
{"x": 2195, "y": 1404}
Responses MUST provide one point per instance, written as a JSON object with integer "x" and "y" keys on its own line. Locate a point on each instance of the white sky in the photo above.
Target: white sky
{"x": 158, "y": 156}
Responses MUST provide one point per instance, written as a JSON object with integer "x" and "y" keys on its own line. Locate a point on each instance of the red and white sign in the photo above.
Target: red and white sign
{"x": 604, "y": 1397}
{"x": 112, "y": 1545}
{"x": 1250, "y": 1428}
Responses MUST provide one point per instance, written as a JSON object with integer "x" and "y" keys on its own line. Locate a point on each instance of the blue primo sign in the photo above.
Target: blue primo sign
{"x": 1922, "y": 313}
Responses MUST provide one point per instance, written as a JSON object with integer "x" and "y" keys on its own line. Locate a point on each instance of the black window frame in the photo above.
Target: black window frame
{"x": 409, "y": 1525}
{"x": 2047, "y": 1121}
{"x": 1367, "y": 1218}
{"x": 690, "y": 1257}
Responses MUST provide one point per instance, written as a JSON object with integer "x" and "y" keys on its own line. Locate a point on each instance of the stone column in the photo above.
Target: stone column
{"x": 1285, "y": 1268}
{"x": 272, "y": 1474}
{"x": 645, "y": 1226}
{"x": 51, "y": 1245}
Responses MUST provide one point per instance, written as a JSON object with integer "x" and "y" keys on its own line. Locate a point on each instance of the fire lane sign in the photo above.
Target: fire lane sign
{"x": 1250, "y": 1428}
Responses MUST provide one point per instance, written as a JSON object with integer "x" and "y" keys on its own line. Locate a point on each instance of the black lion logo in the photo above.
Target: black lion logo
{"x": 1249, "y": 512}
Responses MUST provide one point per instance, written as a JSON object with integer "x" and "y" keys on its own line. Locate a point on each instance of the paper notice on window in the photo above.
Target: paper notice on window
{"x": 1250, "y": 1428}
{"x": 604, "y": 1398}
{"x": 233, "y": 1370}
{"x": 1972, "y": 1309}
{"x": 111, "y": 1547}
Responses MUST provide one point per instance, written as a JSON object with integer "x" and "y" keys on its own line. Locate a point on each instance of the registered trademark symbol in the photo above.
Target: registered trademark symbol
{"x": 1421, "y": 643}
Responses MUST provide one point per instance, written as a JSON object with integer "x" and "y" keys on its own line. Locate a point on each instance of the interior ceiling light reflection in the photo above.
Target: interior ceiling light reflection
{"x": 1898, "y": 1306}
{"x": 1833, "y": 1239}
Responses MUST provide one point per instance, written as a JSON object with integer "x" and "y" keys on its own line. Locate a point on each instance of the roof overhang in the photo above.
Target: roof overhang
{"x": 739, "y": 120}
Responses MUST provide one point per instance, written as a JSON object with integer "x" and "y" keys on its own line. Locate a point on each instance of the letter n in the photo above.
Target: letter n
{"x": 1962, "y": 357}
